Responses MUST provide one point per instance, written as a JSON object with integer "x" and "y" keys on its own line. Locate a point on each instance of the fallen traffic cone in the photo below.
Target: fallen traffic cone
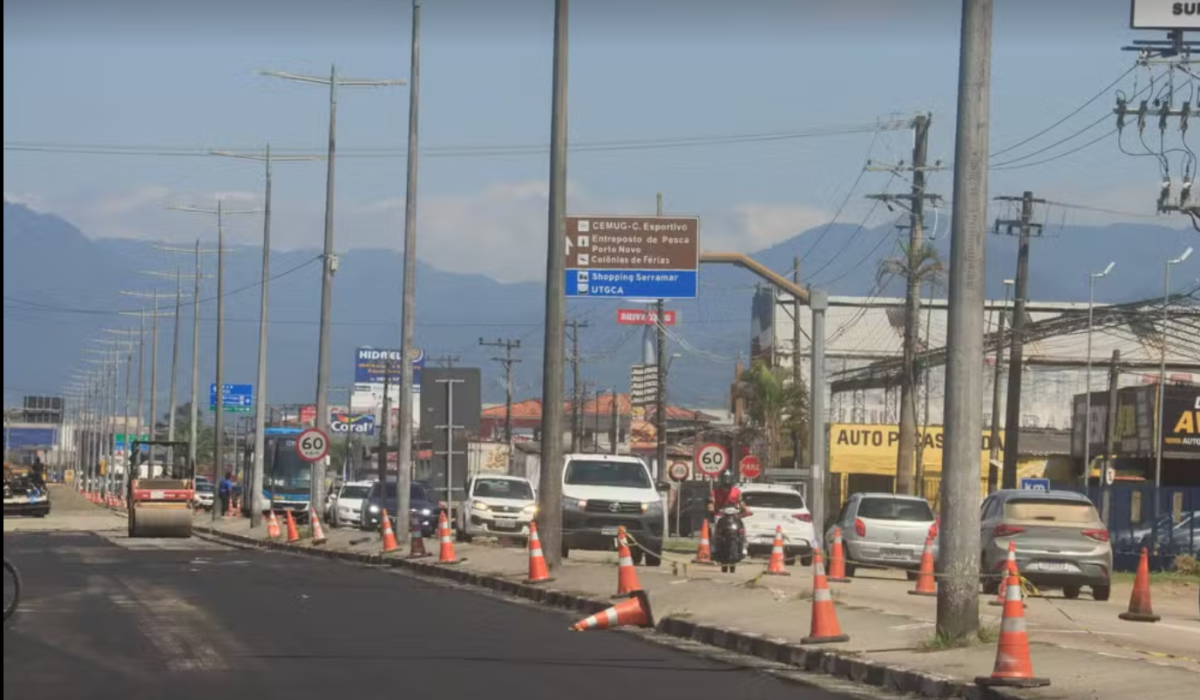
{"x": 1140, "y": 609}
{"x": 273, "y": 531}
{"x": 538, "y": 571}
{"x": 416, "y": 541}
{"x": 293, "y": 534}
{"x": 825, "y": 628}
{"x": 1013, "y": 668}
{"x": 704, "y": 552}
{"x": 446, "y": 555}
{"x": 926, "y": 582}
{"x": 1010, "y": 569}
{"x": 627, "y": 580}
{"x": 318, "y": 532}
{"x": 634, "y": 611}
{"x": 775, "y": 567}
{"x": 389, "y": 535}
{"x": 837, "y": 560}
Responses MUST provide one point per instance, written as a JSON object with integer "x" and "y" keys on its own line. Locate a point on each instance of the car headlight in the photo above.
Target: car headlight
{"x": 530, "y": 510}
{"x": 651, "y": 505}
{"x": 426, "y": 511}
{"x": 374, "y": 509}
{"x": 579, "y": 504}
{"x": 480, "y": 506}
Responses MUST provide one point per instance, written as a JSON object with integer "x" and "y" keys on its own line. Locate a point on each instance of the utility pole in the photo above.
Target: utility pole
{"x": 915, "y": 203}
{"x": 549, "y": 516}
{"x": 1025, "y": 228}
{"x": 329, "y": 264}
{"x": 260, "y": 390}
{"x": 660, "y": 367}
{"x": 615, "y": 432}
{"x": 385, "y": 431}
{"x": 576, "y": 423}
{"x": 797, "y": 377}
{"x": 958, "y": 588}
{"x": 994, "y": 437}
{"x": 508, "y": 360}
{"x": 1110, "y": 433}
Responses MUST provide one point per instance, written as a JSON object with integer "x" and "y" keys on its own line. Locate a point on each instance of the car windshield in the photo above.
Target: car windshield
{"x": 1050, "y": 510}
{"x": 503, "y": 488}
{"x": 895, "y": 509}
{"x": 789, "y": 500}
{"x": 598, "y": 473}
{"x": 416, "y": 493}
{"x": 355, "y": 491}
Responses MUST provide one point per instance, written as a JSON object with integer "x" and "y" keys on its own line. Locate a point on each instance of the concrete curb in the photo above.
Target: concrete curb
{"x": 840, "y": 664}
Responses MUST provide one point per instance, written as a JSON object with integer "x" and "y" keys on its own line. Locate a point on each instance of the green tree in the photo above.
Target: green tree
{"x": 204, "y": 435}
{"x": 774, "y": 407}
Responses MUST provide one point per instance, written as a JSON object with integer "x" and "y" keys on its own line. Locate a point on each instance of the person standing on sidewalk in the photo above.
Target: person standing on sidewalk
{"x": 225, "y": 493}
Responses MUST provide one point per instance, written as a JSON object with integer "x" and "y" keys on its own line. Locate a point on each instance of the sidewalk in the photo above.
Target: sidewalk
{"x": 1081, "y": 645}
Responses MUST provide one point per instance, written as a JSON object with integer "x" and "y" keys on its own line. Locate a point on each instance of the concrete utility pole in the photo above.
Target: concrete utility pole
{"x": 958, "y": 564}
{"x": 260, "y": 390}
{"x": 660, "y": 368}
{"x": 797, "y": 375}
{"x": 1162, "y": 378}
{"x": 915, "y": 203}
{"x": 576, "y": 423}
{"x": 329, "y": 259}
{"x": 1087, "y": 420}
{"x": 994, "y": 439}
{"x": 614, "y": 434}
{"x": 818, "y": 303}
{"x": 549, "y": 516}
{"x": 1110, "y": 433}
{"x": 385, "y": 430}
{"x": 1024, "y": 227}
{"x": 508, "y": 360}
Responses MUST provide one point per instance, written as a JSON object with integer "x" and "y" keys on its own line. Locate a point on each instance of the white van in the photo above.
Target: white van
{"x": 604, "y": 492}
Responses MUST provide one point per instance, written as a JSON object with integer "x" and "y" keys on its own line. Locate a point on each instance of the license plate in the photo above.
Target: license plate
{"x": 608, "y": 531}
{"x": 893, "y": 553}
{"x": 1057, "y": 567}
{"x": 505, "y": 525}
{"x": 157, "y": 495}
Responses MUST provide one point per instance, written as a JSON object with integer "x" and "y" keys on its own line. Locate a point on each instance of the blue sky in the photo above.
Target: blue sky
{"x": 184, "y": 75}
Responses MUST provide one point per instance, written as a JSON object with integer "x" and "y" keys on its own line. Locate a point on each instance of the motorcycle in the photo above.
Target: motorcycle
{"x": 729, "y": 540}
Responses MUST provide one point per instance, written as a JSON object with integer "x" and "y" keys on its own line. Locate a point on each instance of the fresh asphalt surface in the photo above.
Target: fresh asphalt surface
{"x": 105, "y": 617}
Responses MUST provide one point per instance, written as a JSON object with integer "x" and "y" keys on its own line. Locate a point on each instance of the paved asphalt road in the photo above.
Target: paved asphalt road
{"x": 105, "y": 617}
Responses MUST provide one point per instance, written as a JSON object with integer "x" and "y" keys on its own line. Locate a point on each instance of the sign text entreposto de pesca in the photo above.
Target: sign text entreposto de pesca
{"x": 649, "y": 257}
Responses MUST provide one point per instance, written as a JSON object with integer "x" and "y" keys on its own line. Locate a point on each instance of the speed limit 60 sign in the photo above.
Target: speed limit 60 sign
{"x": 312, "y": 445}
{"x": 711, "y": 459}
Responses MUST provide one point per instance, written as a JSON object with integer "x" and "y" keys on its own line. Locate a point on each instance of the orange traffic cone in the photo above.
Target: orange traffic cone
{"x": 926, "y": 582}
{"x": 389, "y": 535}
{"x": 1140, "y": 609}
{"x": 1013, "y": 667}
{"x": 704, "y": 552}
{"x": 825, "y": 628}
{"x": 538, "y": 571}
{"x": 837, "y": 560}
{"x": 1010, "y": 569}
{"x": 446, "y": 556}
{"x": 775, "y": 567}
{"x": 318, "y": 532}
{"x": 416, "y": 541}
{"x": 627, "y": 580}
{"x": 634, "y": 611}
{"x": 273, "y": 530}
{"x": 293, "y": 534}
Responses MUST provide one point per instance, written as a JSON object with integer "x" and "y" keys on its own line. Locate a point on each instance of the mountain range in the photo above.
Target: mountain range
{"x": 62, "y": 287}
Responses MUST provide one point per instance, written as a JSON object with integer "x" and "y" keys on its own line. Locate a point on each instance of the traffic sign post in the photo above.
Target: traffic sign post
{"x": 235, "y": 398}
{"x": 640, "y": 257}
{"x": 1035, "y": 484}
{"x": 678, "y": 471}
{"x": 712, "y": 459}
{"x": 312, "y": 445}
{"x": 751, "y": 467}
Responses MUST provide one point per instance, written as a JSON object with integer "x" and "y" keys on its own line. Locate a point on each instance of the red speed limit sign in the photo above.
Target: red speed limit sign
{"x": 711, "y": 459}
{"x": 312, "y": 445}
{"x": 751, "y": 467}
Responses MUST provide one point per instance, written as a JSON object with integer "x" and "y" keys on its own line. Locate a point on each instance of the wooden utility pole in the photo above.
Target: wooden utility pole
{"x": 508, "y": 361}
{"x": 576, "y": 425}
{"x": 1025, "y": 229}
{"x": 915, "y": 203}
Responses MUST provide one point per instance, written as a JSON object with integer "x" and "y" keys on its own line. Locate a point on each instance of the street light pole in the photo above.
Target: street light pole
{"x": 329, "y": 259}
{"x": 994, "y": 447}
{"x": 1087, "y": 421}
{"x": 1162, "y": 378}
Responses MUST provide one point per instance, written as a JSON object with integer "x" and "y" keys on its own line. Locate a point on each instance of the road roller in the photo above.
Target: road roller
{"x": 160, "y": 489}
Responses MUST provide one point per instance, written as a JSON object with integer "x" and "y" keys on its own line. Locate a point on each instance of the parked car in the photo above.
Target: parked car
{"x": 496, "y": 505}
{"x": 885, "y": 531}
{"x": 604, "y": 492}
{"x": 422, "y": 509}
{"x": 23, "y": 497}
{"x": 349, "y": 502}
{"x": 1175, "y": 538}
{"x": 1060, "y": 541}
{"x": 203, "y": 498}
{"x": 778, "y": 505}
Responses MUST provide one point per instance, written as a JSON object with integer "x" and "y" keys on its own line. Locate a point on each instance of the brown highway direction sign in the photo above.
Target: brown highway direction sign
{"x": 648, "y": 257}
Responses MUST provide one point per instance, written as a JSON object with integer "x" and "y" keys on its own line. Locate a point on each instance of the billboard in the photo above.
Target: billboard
{"x": 1163, "y": 14}
{"x": 342, "y": 422}
{"x": 1181, "y": 422}
{"x": 871, "y": 449}
{"x": 372, "y": 366}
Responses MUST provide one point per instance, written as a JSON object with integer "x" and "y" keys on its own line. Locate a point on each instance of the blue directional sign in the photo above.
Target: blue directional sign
{"x": 1035, "y": 484}
{"x": 632, "y": 257}
{"x": 235, "y": 398}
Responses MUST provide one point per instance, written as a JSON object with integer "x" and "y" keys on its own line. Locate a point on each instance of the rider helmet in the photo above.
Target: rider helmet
{"x": 727, "y": 479}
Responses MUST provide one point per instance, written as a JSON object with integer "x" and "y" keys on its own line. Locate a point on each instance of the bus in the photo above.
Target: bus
{"x": 287, "y": 479}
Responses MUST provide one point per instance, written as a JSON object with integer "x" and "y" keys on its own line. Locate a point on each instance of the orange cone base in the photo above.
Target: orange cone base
{"x": 999, "y": 604}
{"x": 533, "y": 582}
{"x": 454, "y": 562}
{"x": 1139, "y": 617}
{"x": 927, "y": 594}
{"x": 993, "y": 682}
{"x": 826, "y": 640}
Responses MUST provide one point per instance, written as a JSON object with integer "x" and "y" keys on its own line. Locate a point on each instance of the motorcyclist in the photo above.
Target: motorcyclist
{"x": 726, "y": 494}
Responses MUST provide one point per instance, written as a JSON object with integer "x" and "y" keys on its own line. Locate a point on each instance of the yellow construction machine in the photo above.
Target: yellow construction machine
{"x": 161, "y": 486}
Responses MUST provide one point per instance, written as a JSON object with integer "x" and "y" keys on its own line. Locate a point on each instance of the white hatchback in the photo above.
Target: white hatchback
{"x": 349, "y": 502}
{"x": 774, "y": 506}
{"x": 497, "y": 505}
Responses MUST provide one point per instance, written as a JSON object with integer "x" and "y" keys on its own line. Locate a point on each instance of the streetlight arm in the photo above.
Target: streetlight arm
{"x": 295, "y": 76}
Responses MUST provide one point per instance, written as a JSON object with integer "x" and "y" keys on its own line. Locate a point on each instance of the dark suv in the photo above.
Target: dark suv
{"x": 421, "y": 507}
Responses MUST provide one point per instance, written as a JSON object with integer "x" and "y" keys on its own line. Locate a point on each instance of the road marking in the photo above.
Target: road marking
{"x": 1193, "y": 630}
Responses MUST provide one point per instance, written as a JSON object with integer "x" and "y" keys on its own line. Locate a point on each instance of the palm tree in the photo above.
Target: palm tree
{"x": 774, "y": 405}
{"x": 916, "y": 267}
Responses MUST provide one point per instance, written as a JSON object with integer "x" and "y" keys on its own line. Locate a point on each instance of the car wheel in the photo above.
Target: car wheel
{"x": 464, "y": 536}
{"x": 850, "y": 568}
{"x": 637, "y": 555}
{"x": 566, "y": 551}
{"x": 1101, "y": 593}
{"x": 789, "y": 561}
{"x": 910, "y": 575}
{"x": 807, "y": 560}
{"x": 1072, "y": 592}
{"x": 652, "y": 560}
